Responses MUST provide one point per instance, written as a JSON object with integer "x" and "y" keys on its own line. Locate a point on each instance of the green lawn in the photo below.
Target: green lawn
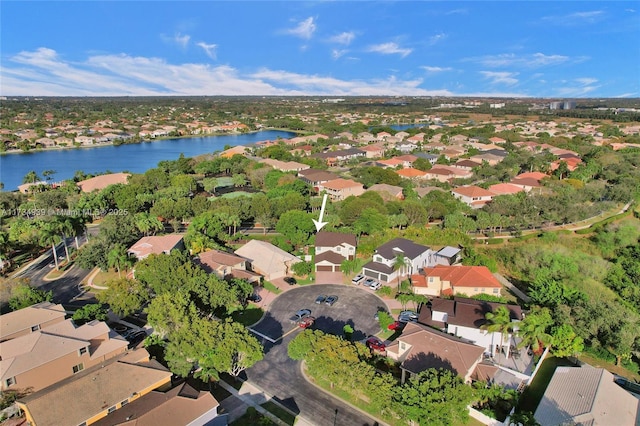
{"x": 270, "y": 287}
{"x": 533, "y": 394}
{"x": 279, "y": 412}
{"x": 248, "y": 316}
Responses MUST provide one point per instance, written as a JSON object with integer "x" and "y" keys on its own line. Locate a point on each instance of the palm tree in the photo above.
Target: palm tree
{"x": 31, "y": 177}
{"x": 49, "y": 235}
{"x": 234, "y": 220}
{"x": 117, "y": 258}
{"x": 499, "y": 321}
{"x": 65, "y": 228}
{"x": 399, "y": 264}
{"x": 533, "y": 329}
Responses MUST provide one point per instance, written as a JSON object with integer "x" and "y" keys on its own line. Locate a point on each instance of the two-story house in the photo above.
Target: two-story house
{"x": 473, "y": 196}
{"x": 47, "y": 356}
{"x": 415, "y": 255}
{"x": 226, "y": 265}
{"x": 30, "y": 319}
{"x": 316, "y": 178}
{"x": 332, "y": 248}
{"x": 445, "y": 280}
{"x": 465, "y": 318}
{"x": 340, "y": 189}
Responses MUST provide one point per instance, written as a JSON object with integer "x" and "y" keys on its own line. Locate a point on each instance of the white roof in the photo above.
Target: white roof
{"x": 265, "y": 256}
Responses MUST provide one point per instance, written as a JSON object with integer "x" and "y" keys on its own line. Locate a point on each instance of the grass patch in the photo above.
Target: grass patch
{"x": 248, "y": 316}
{"x": 533, "y": 394}
{"x": 595, "y": 359}
{"x": 103, "y": 277}
{"x": 279, "y": 412}
{"x": 271, "y": 288}
{"x": 251, "y": 418}
{"x": 309, "y": 279}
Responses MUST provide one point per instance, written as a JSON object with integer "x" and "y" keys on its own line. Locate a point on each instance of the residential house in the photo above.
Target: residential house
{"x": 339, "y": 156}
{"x": 339, "y": 189}
{"x": 443, "y": 280}
{"x": 95, "y": 392}
{"x": 45, "y": 142}
{"x": 586, "y": 396}
{"x": 411, "y": 173}
{"x": 419, "y": 348}
{"x": 473, "y": 196}
{"x": 505, "y": 189}
{"x": 424, "y": 190}
{"x": 407, "y": 160}
{"x": 156, "y": 244}
{"x": 303, "y": 151}
{"x": 381, "y": 267}
{"x": 373, "y": 151}
{"x": 402, "y": 135}
{"x": 30, "y": 319}
{"x": 431, "y": 158}
{"x": 332, "y": 248}
{"x": 226, "y": 265}
{"x": 98, "y": 183}
{"x": 391, "y": 163}
{"x": 387, "y": 192}
{"x": 84, "y": 140}
{"x": 406, "y": 147}
{"x": 47, "y": 356}
{"x": 529, "y": 181}
{"x": 236, "y": 150}
{"x": 490, "y": 158}
{"x": 182, "y": 405}
{"x": 465, "y": 318}
{"x": 497, "y": 140}
{"x": 417, "y": 138}
{"x": 266, "y": 259}
{"x": 316, "y": 178}
{"x": 466, "y": 164}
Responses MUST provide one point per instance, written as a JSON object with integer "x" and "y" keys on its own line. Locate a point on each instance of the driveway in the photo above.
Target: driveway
{"x": 356, "y": 306}
{"x": 281, "y": 377}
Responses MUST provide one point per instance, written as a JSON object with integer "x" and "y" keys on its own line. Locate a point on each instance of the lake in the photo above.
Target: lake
{"x": 135, "y": 158}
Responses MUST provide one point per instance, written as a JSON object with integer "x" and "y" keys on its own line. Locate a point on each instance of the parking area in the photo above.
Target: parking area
{"x": 355, "y": 306}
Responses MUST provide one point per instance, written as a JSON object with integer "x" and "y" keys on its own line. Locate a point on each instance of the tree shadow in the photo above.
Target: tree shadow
{"x": 425, "y": 360}
{"x": 336, "y": 327}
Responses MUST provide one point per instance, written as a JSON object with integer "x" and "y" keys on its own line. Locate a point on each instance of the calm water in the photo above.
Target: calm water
{"x": 135, "y": 158}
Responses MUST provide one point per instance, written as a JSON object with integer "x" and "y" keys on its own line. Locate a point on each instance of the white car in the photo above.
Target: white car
{"x": 375, "y": 285}
{"x": 357, "y": 280}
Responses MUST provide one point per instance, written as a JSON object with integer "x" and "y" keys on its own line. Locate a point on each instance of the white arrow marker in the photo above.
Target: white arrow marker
{"x": 319, "y": 223}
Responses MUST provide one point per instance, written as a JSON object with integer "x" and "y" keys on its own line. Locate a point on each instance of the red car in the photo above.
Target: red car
{"x": 376, "y": 344}
{"x": 396, "y": 326}
{"x": 307, "y": 322}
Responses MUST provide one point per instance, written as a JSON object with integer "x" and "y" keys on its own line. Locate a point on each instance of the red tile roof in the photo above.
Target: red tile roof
{"x": 473, "y": 191}
{"x": 464, "y": 276}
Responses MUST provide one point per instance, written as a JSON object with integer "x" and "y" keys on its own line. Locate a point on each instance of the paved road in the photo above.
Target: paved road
{"x": 281, "y": 377}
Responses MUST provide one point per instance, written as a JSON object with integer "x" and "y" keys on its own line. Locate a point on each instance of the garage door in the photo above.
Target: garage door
{"x": 371, "y": 274}
{"x": 324, "y": 268}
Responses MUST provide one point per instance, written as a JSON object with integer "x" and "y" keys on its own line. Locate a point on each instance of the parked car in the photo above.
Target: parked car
{"x": 396, "y": 326}
{"x": 320, "y": 299}
{"x": 255, "y": 298}
{"x": 375, "y": 286}
{"x": 135, "y": 338}
{"x": 406, "y": 316}
{"x": 331, "y": 300}
{"x": 376, "y": 344}
{"x": 290, "y": 280}
{"x": 302, "y": 313}
{"x": 369, "y": 282}
{"x": 307, "y": 322}
{"x": 357, "y": 280}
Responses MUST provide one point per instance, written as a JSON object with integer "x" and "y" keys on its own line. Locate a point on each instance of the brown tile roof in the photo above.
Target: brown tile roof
{"x": 213, "y": 259}
{"x": 338, "y": 184}
{"x": 434, "y": 349}
{"x": 24, "y": 319}
{"x": 155, "y": 244}
{"x": 329, "y": 256}
{"x": 178, "y": 406}
{"x": 464, "y": 276}
{"x": 533, "y": 175}
{"x": 314, "y": 175}
{"x": 101, "y": 182}
{"x": 473, "y": 191}
{"x": 333, "y": 239}
{"x": 92, "y": 391}
{"x": 465, "y": 312}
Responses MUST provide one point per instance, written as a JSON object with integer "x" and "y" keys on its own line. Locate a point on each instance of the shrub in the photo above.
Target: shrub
{"x": 494, "y": 241}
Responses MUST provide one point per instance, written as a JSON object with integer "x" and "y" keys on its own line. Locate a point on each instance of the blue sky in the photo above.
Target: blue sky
{"x": 564, "y": 49}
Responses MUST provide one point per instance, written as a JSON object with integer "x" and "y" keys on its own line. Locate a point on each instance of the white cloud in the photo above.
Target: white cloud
{"x": 343, "y": 38}
{"x": 586, "y": 80}
{"x": 578, "y": 87}
{"x": 182, "y": 40}
{"x": 575, "y": 18}
{"x": 437, "y": 38}
{"x": 503, "y": 77}
{"x": 533, "y": 60}
{"x": 304, "y": 29}
{"x": 44, "y": 73}
{"x": 338, "y": 53}
{"x": 209, "y": 49}
{"x": 436, "y": 69}
{"x": 389, "y": 48}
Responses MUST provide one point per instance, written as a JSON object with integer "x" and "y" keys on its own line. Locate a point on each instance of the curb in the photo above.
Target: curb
{"x": 375, "y": 419}
{"x": 46, "y": 277}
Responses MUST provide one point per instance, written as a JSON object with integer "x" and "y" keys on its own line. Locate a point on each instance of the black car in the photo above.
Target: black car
{"x": 330, "y": 300}
{"x": 135, "y": 338}
{"x": 320, "y": 299}
{"x": 255, "y": 298}
{"x": 290, "y": 280}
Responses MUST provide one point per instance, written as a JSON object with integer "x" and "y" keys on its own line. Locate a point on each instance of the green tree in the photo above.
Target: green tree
{"x": 296, "y": 226}
{"x": 31, "y": 177}
{"x": 23, "y": 295}
{"x": 90, "y": 312}
{"x": 124, "y": 296}
{"x": 400, "y": 265}
{"x": 499, "y": 321}
{"x": 533, "y": 329}
{"x": 50, "y": 234}
{"x": 565, "y": 342}
{"x": 118, "y": 258}
{"x": 433, "y": 397}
